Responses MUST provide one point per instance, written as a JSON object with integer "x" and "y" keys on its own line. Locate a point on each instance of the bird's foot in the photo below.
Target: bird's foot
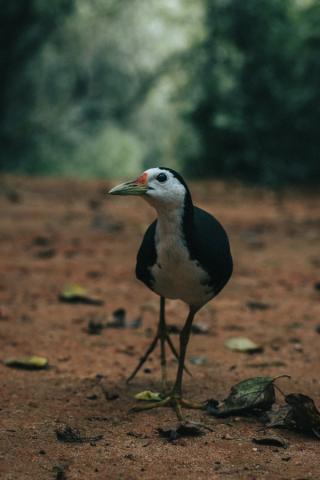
{"x": 175, "y": 402}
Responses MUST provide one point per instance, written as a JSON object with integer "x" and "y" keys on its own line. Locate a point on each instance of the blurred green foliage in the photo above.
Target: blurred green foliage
{"x": 223, "y": 88}
{"x": 25, "y": 27}
{"x": 257, "y": 110}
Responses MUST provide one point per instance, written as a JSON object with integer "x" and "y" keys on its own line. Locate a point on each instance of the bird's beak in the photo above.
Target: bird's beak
{"x": 139, "y": 186}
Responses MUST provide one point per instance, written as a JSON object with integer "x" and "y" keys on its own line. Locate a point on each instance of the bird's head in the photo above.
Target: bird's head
{"x": 158, "y": 186}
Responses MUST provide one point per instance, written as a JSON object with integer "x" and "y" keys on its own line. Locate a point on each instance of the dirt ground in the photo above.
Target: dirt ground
{"x": 57, "y": 232}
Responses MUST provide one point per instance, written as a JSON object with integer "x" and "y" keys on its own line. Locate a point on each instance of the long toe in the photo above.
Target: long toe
{"x": 176, "y": 403}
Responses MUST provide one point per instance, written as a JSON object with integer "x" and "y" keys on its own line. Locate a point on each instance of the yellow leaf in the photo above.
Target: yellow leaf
{"x": 148, "y": 396}
{"x": 73, "y": 290}
{"x": 29, "y": 363}
{"x": 75, "y": 293}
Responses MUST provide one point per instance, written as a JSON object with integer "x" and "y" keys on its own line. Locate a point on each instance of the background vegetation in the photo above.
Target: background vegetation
{"x": 224, "y": 88}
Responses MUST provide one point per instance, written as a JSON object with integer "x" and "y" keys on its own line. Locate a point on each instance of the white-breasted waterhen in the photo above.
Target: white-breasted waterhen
{"x": 185, "y": 254}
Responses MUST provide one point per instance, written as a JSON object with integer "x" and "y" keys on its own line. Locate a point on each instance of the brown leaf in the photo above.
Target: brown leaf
{"x": 272, "y": 440}
{"x": 299, "y": 413}
{"x": 68, "y": 434}
{"x": 183, "y": 430}
{"x": 304, "y": 412}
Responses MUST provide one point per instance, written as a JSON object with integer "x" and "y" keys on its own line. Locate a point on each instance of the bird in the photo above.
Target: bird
{"x": 185, "y": 254}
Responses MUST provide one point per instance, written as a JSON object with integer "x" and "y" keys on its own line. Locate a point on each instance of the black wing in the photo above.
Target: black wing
{"x": 147, "y": 256}
{"x": 211, "y": 248}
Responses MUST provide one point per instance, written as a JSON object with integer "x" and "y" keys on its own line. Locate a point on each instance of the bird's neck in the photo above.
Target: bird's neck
{"x": 170, "y": 221}
{"x": 176, "y": 222}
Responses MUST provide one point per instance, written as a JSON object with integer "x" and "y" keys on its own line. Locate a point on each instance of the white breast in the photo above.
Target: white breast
{"x": 175, "y": 274}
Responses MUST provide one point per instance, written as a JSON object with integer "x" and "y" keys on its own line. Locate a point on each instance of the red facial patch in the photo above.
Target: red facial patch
{"x": 142, "y": 180}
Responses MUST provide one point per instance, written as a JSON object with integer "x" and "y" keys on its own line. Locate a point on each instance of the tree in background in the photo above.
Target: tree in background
{"x": 255, "y": 92}
{"x": 25, "y": 27}
{"x": 101, "y": 90}
{"x": 225, "y": 88}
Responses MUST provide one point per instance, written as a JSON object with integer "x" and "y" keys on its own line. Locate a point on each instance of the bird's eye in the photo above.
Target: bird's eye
{"x": 162, "y": 177}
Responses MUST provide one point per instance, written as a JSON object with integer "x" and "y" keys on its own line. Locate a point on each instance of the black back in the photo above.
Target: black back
{"x": 210, "y": 247}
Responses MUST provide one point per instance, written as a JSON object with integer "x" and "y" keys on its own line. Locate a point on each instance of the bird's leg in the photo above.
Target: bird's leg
{"x": 184, "y": 339}
{"x": 164, "y": 337}
{"x": 162, "y": 332}
{"x": 175, "y": 399}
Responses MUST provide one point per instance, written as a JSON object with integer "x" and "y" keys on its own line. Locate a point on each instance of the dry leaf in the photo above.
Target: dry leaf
{"x": 243, "y": 344}
{"x": 77, "y": 294}
{"x": 251, "y": 395}
{"x": 149, "y": 396}
{"x": 32, "y": 362}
